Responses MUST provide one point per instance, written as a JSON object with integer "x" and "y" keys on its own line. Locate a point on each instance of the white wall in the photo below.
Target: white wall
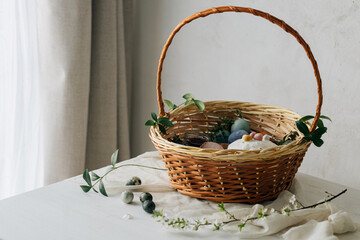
{"x": 245, "y": 58}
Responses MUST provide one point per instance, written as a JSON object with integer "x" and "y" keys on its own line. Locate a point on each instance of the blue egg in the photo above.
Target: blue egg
{"x": 236, "y": 135}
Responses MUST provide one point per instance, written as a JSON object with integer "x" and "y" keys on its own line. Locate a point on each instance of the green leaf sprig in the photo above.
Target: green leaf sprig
{"x": 189, "y": 98}
{"x": 161, "y": 122}
{"x": 315, "y": 136}
{"x": 96, "y": 179}
{"x": 224, "y": 123}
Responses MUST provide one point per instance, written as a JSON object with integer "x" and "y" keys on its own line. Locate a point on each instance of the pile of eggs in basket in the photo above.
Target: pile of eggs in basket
{"x": 239, "y": 138}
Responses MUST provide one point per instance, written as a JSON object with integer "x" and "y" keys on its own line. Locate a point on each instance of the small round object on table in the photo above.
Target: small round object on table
{"x": 145, "y": 196}
{"x": 127, "y": 197}
{"x": 133, "y": 181}
{"x": 148, "y": 206}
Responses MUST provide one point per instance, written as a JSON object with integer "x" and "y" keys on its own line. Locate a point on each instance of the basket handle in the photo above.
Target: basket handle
{"x": 255, "y": 12}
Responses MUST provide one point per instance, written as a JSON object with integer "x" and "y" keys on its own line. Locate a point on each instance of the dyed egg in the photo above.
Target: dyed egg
{"x": 127, "y": 197}
{"x": 247, "y": 138}
{"x": 148, "y": 206}
{"x": 211, "y": 145}
{"x": 133, "y": 181}
{"x": 252, "y": 134}
{"x": 240, "y": 124}
{"x": 145, "y": 196}
{"x": 258, "y": 136}
{"x": 237, "y": 135}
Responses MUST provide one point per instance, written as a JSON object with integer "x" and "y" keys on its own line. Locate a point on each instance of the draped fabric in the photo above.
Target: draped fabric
{"x": 20, "y": 162}
{"x": 64, "y": 92}
{"x": 84, "y": 84}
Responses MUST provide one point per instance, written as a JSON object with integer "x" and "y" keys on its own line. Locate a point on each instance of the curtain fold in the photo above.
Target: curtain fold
{"x": 84, "y": 85}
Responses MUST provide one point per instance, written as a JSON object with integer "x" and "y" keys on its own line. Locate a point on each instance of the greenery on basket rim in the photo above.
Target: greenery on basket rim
{"x": 194, "y": 224}
{"x": 303, "y": 123}
{"x": 291, "y": 136}
{"x": 161, "y": 122}
{"x": 189, "y": 98}
{"x": 164, "y": 122}
{"x": 176, "y": 139}
{"x": 224, "y": 123}
{"x": 96, "y": 179}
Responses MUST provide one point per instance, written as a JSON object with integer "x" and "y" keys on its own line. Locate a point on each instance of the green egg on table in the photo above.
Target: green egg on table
{"x": 145, "y": 196}
{"x": 148, "y": 206}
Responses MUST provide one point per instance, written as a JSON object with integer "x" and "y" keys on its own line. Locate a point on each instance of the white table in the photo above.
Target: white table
{"x": 64, "y": 211}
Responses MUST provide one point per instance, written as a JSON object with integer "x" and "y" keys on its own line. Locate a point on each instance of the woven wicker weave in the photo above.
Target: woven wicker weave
{"x": 232, "y": 175}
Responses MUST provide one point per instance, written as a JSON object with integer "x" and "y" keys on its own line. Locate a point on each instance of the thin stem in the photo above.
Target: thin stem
{"x": 231, "y": 215}
{"x": 126, "y": 165}
{"x": 329, "y": 193}
{"x": 326, "y": 200}
{"x": 243, "y": 221}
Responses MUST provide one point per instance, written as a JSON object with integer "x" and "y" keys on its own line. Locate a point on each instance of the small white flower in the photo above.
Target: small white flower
{"x": 272, "y": 211}
{"x": 265, "y": 210}
{"x": 127, "y": 216}
{"x": 286, "y": 210}
{"x": 292, "y": 200}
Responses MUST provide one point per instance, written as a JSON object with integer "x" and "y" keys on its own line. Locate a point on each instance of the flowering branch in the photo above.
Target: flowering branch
{"x": 194, "y": 224}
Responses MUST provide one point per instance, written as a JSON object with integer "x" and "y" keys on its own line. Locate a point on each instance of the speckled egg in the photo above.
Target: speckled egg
{"x": 145, "y": 196}
{"x": 134, "y": 181}
{"x": 127, "y": 197}
{"x": 148, "y": 206}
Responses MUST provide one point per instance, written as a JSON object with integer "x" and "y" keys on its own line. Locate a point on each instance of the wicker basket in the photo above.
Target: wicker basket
{"x": 232, "y": 175}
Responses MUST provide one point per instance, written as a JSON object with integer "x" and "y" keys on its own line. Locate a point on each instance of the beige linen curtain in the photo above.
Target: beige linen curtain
{"x": 84, "y": 84}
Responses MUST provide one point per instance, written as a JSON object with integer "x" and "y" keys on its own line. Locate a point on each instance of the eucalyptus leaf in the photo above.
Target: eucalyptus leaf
{"x": 114, "y": 157}
{"x": 318, "y": 142}
{"x": 95, "y": 190}
{"x": 188, "y": 96}
{"x": 302, "y": 128}
{"x": 308, "y": 138}
{"x": 320, "y": 123}
{"x": 153, "y": 115}
{"x": 165, "y": 121}
{"x": 169, "y": 103}
{"x": 319, "y": 132}
{"x": 149, "y": 123}
{"x": 162, "y": 129}
{"x": 325, "y": 117}
{"x": 94, "y": 176}
{"x": 200, "y": 105}
{"x": 306, "y": 118}
{"x": 102, "y": 188}
{"x": 188, "y": 102}
{"x": 85, "y": 188}
{"x": 86, "y": 177}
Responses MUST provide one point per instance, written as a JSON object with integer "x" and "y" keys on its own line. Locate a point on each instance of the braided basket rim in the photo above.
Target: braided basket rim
{"x": 263, "y": 155}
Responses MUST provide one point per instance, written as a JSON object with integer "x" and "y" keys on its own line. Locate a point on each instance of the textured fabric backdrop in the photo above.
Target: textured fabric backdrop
{"x": 84, "y": 84}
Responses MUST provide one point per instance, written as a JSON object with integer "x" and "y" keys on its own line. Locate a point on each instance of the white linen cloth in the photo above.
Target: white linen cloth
{"x": 322, "y": 222}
